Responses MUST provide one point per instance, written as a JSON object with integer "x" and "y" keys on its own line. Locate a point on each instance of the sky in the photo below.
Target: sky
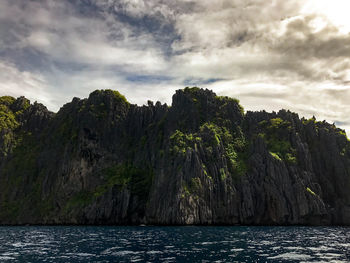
{"x": 270, "y": 55}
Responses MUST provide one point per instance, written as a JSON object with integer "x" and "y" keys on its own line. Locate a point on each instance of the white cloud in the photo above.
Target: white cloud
{"x": 270, "y": 54}
{"x": 64, "y": 36}
{"x": 22, "y": 83}
{"x": 325, "y": 101}
{"x": 81, "y": 83}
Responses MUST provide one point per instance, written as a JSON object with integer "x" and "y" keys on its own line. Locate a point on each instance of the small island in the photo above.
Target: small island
{"x": 201, "y": 161}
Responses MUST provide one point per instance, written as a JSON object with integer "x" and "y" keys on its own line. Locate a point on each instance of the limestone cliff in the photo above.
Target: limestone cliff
{"x": 102, "y": 160}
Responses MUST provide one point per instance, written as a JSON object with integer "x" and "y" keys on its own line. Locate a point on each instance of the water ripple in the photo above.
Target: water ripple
{"x": 174, "y": 244}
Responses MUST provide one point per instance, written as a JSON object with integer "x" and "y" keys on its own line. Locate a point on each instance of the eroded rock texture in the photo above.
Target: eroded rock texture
{"x": 102, "y": 160}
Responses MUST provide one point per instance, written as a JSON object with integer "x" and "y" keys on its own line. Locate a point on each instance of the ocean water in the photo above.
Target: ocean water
{"x": 174, "y": 244}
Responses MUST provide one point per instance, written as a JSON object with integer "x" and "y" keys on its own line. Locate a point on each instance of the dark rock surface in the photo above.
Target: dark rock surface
{"x": 102, "y": 160}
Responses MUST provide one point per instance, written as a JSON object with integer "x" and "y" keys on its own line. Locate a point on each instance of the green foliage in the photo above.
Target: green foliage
{"x": 195, "y": 185}
{"x": 28, "y": 197}
{"x": 7, "y": 100}
{"x": 311, "y": 120}
{"x": 194, "y": 94}
{"x": 137, "y": 180}
{"x": 282, "y": 148}
{"x": 7, "y": 119}
{"x": 186, "y": 189}
{"x": 118, "y": 174}
{"x": 25, "y": 152}
{"x": 191, "y": 90}
{"x": 213, "y": 131}
{"x": 141, "y": 182}
{"x": 26, "y": 104}
{"x": 240, "y": 163}
{"x": 204, "y": 168}
{"x": 119, "y": 96}
{"x": 98, "y": 111}
{"x": 237, "y": 151}
{"x": 276, "y": 156}
{"x": 20, "y": 175}
{"x": 236, "y": 147}
{"x": 275, "y": 135}
{"x": 82, "y": 107}
{"x": 342, "y": 132}
{"x": 291, "y": 158}
{"x": 66, "y": 131}
{"x": 181, "y": 142}
{"x": 227, "y": 100}
{"x": 310, "y": 191}
{"x": 192, "y": 188}
{"x": 324, "y": 126}
{"x": 99, "y": 103}
{"x": 178, "y": 140}
{"x": 222, "y": 174}
{"x": 79, "y": 200}
{"x": 278, "y": 124}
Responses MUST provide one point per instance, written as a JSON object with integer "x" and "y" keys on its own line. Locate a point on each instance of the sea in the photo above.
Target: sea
{"x": 174, "y": 244}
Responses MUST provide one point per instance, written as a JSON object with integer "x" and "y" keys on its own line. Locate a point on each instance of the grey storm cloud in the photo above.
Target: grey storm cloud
{"x": 269, "y": 54}
{"x": 301, "y": 40}
{"x": 316, "y": 55}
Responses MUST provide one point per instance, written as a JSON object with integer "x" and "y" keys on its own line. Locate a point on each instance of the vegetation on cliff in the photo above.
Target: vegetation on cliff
{"x": 203, "y": 160}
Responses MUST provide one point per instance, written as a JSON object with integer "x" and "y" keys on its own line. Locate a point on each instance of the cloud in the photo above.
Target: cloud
{"x": 321, "y": 52}
{"x": 70, "y": 85}
{"x": 22, "y": 83}
{"x": 326, "y": 102}
{"x": 55, "y": 30}
{"x": 221, "y": 24}
{"x": 269, "y": 54}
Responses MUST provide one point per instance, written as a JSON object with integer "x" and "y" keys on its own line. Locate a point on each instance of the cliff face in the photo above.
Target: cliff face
{"x": 102, "y": 160}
